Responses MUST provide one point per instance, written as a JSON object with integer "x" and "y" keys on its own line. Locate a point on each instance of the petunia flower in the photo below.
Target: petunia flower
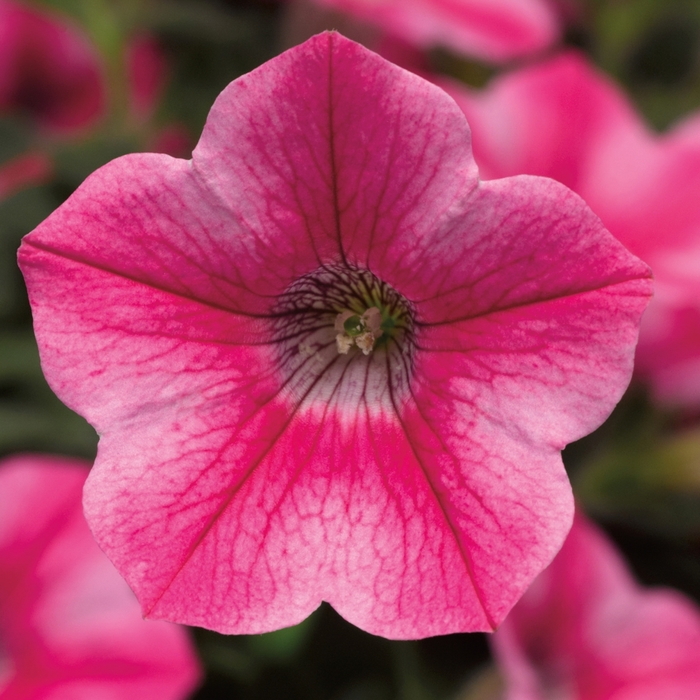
{"x": 586, "y": 630}
{"x": 69, "y": 625}
{"x": 564, "y": 120}
{"x": 48, "y": 70}
{"x": 494, "y": 30}
{"x": 262, "y": 450}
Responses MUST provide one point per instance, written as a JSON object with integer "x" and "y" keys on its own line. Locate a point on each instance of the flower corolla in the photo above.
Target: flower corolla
{"x": 251, "y": 464}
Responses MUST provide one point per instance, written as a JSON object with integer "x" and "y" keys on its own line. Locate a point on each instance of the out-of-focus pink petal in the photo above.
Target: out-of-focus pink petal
{"x": 48, "y": 69}
{"x": 495, "y": 30}
{"x": 68, "y": 622}
{"x": 146, "y": 70}
{"x": 27, "y": 170}
{"x": 563, "y": 120}
{"x": 548, "y": 119}
{"x": 585, "y": 630}
{"x": 248, "y": 468}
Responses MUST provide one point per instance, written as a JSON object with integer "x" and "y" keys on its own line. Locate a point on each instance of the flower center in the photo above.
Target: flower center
{"x": 344, "y": 335}
{"x": 362, "y": 331}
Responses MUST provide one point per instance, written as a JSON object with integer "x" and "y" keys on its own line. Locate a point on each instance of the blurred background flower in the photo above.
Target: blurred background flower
{"x": 493, "y": 30}
{"x": 604, "y": 95}
{"x": 586, "y": 630}
{"x": 50, "y": 73}
{"x": 69, "y": 625}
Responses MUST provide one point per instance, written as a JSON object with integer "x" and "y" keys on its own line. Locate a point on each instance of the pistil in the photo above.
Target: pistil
{"x": 362, "y": 331}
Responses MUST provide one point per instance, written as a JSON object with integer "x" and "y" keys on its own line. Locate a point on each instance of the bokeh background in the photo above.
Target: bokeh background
{"x": 154, "y": 69}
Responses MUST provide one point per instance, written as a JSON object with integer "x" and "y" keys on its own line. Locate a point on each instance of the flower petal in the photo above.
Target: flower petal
{"x": 332, "y": 506}
{"x": 526, "y": 337}
{"x": 338, "y": 152}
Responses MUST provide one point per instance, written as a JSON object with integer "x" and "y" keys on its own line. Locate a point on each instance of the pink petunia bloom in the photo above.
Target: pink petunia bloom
{"x": 69, "y": 625}
{"x": 48, "y": 70}
{"x": 586, "y": 631}
{"x": 564, "y": 120}
{"x": 494, "y": 30}
{"x": 325, "y": 361}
